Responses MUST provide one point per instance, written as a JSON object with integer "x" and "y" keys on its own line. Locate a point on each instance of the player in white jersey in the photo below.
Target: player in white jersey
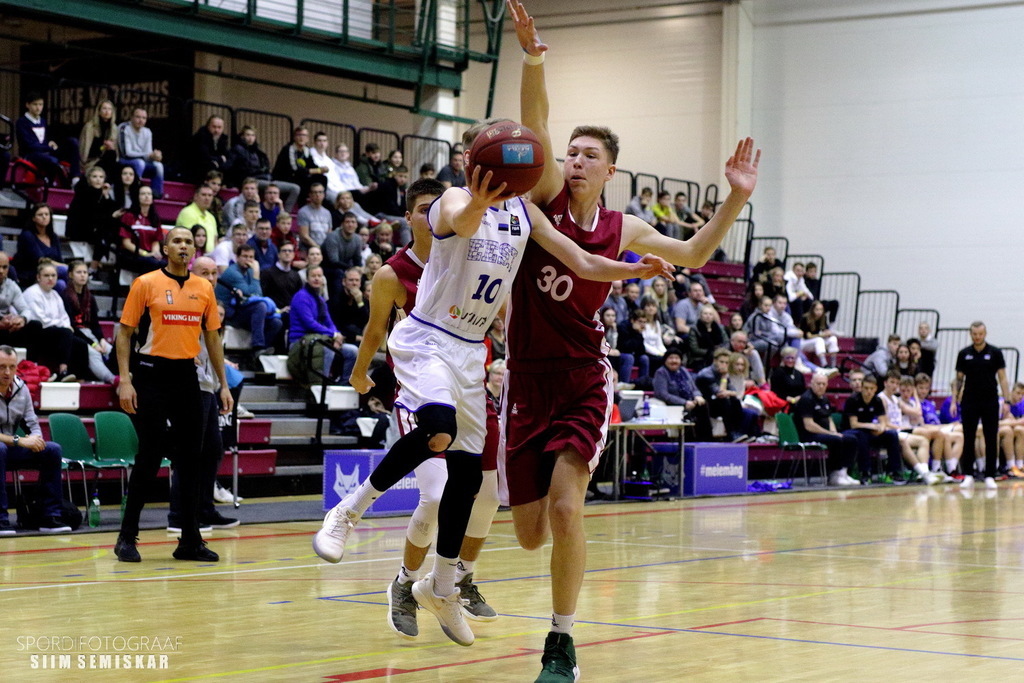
{"x": 479, "y": 236}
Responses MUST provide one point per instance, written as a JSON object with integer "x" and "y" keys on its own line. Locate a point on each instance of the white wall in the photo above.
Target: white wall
{"x": 893, "y": 147}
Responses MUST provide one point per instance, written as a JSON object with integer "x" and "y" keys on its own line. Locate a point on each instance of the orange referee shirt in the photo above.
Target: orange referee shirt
{"x": 170, "y": 313}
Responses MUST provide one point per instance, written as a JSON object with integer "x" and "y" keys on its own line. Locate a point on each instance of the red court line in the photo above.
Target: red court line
{"x": 388, "y": 671}
{"x": 725, "y": 623}
{"x": 906, "y": 629}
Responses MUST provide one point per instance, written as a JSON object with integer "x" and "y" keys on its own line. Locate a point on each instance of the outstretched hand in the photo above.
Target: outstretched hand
{"x": 481, "y": 190}
{"x": 654, "y": 266}
{"x": 741, "y": 168}
{"x": 526, "y": 32}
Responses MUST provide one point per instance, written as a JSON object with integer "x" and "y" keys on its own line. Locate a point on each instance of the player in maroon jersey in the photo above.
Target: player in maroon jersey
{"x": 394, "y": 290}
{"x": 558, "y": 384}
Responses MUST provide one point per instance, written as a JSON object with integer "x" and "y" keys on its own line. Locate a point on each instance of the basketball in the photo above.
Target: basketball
{"x": 512, "y": 153}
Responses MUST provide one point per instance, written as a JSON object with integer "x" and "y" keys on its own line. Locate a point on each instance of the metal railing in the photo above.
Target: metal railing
{"x": 385, "y": 139}
{"x": 619, "y": 190}
{"x": 337, "y": 134}
{"x": 908, "y": 319}
{"x": 689, "y": 187}
{"x": 951, "y": 340}
{"x": 844, "y": 288}
{"x": 759, "y": 244}
{"x": 418, "y": 150}
{"x": 642, "y": 180}
{"x": 1012, "y": 357}
{"x": 816, "y": 259}
{"x": 876, "y": 313}
{"x": 273, "y": 131}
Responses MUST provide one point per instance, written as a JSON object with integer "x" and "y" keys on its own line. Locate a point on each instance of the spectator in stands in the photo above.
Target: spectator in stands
{"x": 35, "y": 243}
{"x": 295, "y": 163}
{"x": 135, "y": 148}
{"x": 390, "y": 201}
{"x": 263, "y": 247}
{"x": 640, "y": 206}
{"x": 395, "y": 159}
{"x": 631, "y": 341}
{"x": 309, "y": 315}
{"x": 706, "y": 335}
{"x": 929, "y": 347}
{"x": 199, "y": 211}
{"x": 371, "y": 265}
{"x": 755, "y": 292}
{"x": 209, "y": 150}
{"x": 90, "y": 214}
{"x": 664, "y": 297}
{"x": 322, "y": 158}
{"x": 58, "y": 348}
{"x": 342, "y": 250}
{"x": 98, "y": 142}
{"x": 854, "y": 378}
{"x": 786, "y": 380}
{"x": 495, "y": 338}
{"x": 234, "y": 207}
{"x": 690, "y": 221}
{"x": 617, "y": 302}
{"x": 16, "y": 329}
{"x": 239, "y": 290}
{"x": 766, "y": 335}
{"x": 314, "y": 219}
{"x": 622, "y": 361}
{"x": 817, "y": 337}
{"x": 314, "y": 259}
{"x": 271, "y": 207}
{"x": 882, "y": 359}
{"x": 723, "y": 402}
{"x": 204, "y": 247}
{"x": 903, "y": 363}
{"x": 796, "y": 289}
{"x": 687, "y": 310}
{"x": 668, "y": 222}
{"x": 27, "y": 452}
{"x": 281, "y": 282}
{"x": 783, "y": 318}
{"x": 372, "y": 170}
{"x": 631, "y": 293}
{"x": 126, "y": 191}
{"x": 868, "y": 422}
{"x": 283, "y": 232}
{"x": 657, "y": 337}
{"x": 248, "y": 160}
{"x": 215, "y": 181}
{"x": 365, "y": 235}
{"x": 915, "y": 447}
{"x": 674, "y": 385}
{"x": 814, "y": 285}
{"x": 765, "y": 266}
{"x": 812, "y": 414}
{"x": 224, "y": 252}
{"x": 345, "y": 172}
{"x": 428, "y": 170}
{"x": 739, "y": 373}
{"x": 739, "y": 343}
{"x": 141, "y": 236}
{"x": 345, "y": 203}
{"x": 251, "y": 214}
{"x": 735, "y": 323}
{"x": 383, "y": 241}
{"x": 776, "y": 284}
{"x": 83, "y": 312}
{"x": 707, "y": 211}
{"x": 36, "y": 146}
{"x": 454, "y": 174}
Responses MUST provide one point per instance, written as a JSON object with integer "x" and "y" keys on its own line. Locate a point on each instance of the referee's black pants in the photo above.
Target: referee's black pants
{"x": 169, "y": 422}
{"x": 985, "y": 409}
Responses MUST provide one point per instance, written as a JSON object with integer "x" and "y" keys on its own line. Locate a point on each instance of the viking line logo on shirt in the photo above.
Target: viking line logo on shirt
{"x": 182, "y": 318}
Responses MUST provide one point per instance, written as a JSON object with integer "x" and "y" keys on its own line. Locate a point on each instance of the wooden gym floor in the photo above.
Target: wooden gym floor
{"x": 903, "y": 583}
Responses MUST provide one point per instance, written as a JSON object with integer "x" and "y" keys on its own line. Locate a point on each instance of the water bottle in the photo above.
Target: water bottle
{"x": 646, "y": 411}
{"x": 94, "y": 510}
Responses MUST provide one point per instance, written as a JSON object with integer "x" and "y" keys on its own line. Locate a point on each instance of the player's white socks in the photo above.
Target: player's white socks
{"x": 464, "y": 567}
{"x": 951, "y": 464}
{"x": 444, "y": 575}
{"x": 406, "y": 575}
{"x": 562, "y": 623}
{"x": 936, "y": 465}
{"x": 921, "y": 468}
{"x": 363, "y": 497}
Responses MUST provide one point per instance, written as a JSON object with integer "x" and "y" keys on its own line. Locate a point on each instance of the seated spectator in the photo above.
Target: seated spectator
{"x": 314, "y": 259}
{"x": 27, "y": 452}
{"x": 621, "y": 361}
{"x": 98, "y": 142}
{"x": 141, "y": 234}
{"x": 929, "y": 346}
{"x": 776, "y": 284}
{"x": 495, "y": 339}
{"x": 786, "y": 380}
{"x": 209, "y": 150}
{"x": 739, "y": 373}
{"x": 281, "y": 282}
{"x": 817, "y": 337}
{"x": 295, "y": 163}
{"x": 812, "y": 415}
{"x": 322, "y": 157}
{"x": 198, "y": 212}
{"x": 902, "y": 362}
{"x": 429, "y": 171}
{"x": 251, "y": 215}
{"x": 767, "y": 335}
{"x": 90, "y": 216}
{"x": 796, "y": 290}
{"x": 383, "y": 241}
{"x": 723, "y": 402}
{"x": 248, "y": 160}
{"x": 370, "y": 267}
{"x": 345, "y": 204}
{"x": 271, "y": 207}
{"x": 687, "y": 310}
{"x": 755, "y": 292}
{"x": 784, "y": 319}
{"x": 372, "y": 170}
{"x": 395, "y": 159}
{"x": 882, "y": 359}
{"x": 690, "y": 221}
{"x": 204, "y": 247}
{"x": 739, "y": 343}
{"x": 869, "y": 424}
{"x": 83, "y": 312}
{"x": 706, "y": 335}
{"x": 454, "y": 174}
{"x": 283, "y": 233}
{"x": 263, "y": 246}
{"x": 631, "y": 341}
{"x": 665, "y": 298}
{"x": 58, "y": 348}
{"x": 617, "y": 301}
{"x": 674, "y": 385}
{"x": 915, "y": 448}
{"x": 37, "y": 146}
{"x": 345, "y": 172}
{"x": 765, "y": 266}
{"x": 126, "y": 190}
{"x": 365, "y": 235}
{"x": 215, "y": 181}
{"x": 234, "y": 207}
{"x": 668, "y": 222}
{"x": 224, "y": 252}
{"x": 640, "y": 206}
{"x": 657, "y": 337}
{"x": 735, "y": 323}
{"x": 342, "y": 250}
{"x": 239, "y": 290}
{"x": 814, "y": 285}
{"x": 35, "y": 243}
{"x": 309, "y": 316}
{"x": 390, "y": 202}
{"x": 348, "y": 306}
{"x": 16, "y": 329}
{"x": 135, "y": 149}
{"x": 314, "y": 219}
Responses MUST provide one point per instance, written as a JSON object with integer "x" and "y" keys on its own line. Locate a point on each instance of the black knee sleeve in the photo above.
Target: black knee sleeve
{"x": 437, "y": 419}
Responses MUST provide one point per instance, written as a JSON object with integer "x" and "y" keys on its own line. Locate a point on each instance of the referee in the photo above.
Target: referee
{"x": 978, "y": 366}
{"x": 168, "y": 309}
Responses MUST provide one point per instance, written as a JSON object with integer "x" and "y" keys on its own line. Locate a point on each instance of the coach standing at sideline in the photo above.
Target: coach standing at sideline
{"x": 168, "y": 308}
{"x": 979, "y": 366}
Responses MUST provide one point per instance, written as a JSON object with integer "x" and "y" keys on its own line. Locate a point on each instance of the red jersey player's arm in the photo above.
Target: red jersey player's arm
{"x": 589, "y": 266}
{"x": 533, "y": 103}
{"x": 741, "y": 172}
{"x": 387, "y": 293}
